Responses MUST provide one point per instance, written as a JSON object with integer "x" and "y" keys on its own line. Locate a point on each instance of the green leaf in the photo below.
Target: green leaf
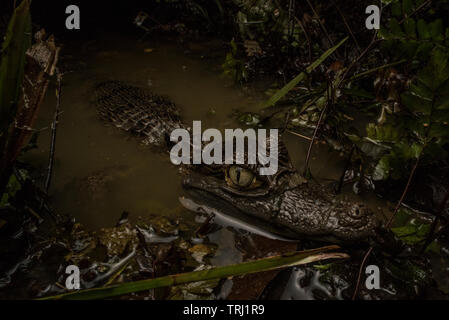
{"x": 416, "y": 150}
{"x": 436, "y": 30}
{"x": 396, "y": 9}
{"x": 439, "y": 61}
{"x": 12, "y": 188}
{"x": 423, "y": 30}
{"x": 384, "y": 133}
{"x": 407, "y": 7}
{"x": 410, "y": 27}
{"x": 412, "y": 234}
{"x": 408, "y": 272}
{"x": 395, "y": 28}
{"x": 415, "y": 104}
{"x": 382, "y": 169}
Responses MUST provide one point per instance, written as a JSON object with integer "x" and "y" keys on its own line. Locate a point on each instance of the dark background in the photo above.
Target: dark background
{"x": 95, "y": 15}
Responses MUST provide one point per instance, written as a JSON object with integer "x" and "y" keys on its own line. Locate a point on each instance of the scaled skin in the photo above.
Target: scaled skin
{"x": 284, "y": 200}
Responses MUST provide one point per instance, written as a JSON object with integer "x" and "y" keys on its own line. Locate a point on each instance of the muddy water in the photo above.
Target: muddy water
{"x": 100, "y": 171}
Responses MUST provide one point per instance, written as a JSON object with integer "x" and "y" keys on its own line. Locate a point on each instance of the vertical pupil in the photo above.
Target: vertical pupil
{"x": 238, "y": 174}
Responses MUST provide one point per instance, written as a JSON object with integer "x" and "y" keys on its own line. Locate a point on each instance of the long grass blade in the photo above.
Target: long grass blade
{"x": 300, "y": 77}
{"x": 265, "y": 264}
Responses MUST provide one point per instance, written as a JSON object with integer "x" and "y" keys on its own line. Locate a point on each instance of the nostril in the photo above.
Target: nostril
{"x": 357, "y": 211}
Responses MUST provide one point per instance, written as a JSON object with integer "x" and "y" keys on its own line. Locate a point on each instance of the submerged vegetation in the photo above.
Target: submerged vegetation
{"x": 379, "y": 98}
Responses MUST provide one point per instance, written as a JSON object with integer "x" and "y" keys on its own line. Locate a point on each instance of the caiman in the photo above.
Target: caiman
{"x": 284, "y": 201}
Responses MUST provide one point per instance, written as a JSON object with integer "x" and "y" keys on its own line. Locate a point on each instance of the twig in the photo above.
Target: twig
{"x": 287, "y": 119}
{"x": 321, "y": 24}
{"x": 404, "y": 193}
{"x": 307, "y": 37}
{"x": 388, "y": 65}
{"x": 368, "y": 48}
{"x": 347, "y": 26}
{"x": 53, "y": 136}
{"x": 416, "y": 10}
{"x": 430, "y": 237}
{"x": 342, "y": 177}
{"x": 299, "y": 135}
{"x": 359, "y": 278}
{"x": 315, "y": 132}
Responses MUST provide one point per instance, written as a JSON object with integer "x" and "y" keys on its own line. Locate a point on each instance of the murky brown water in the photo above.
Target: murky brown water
{"x": 100, "y": 171}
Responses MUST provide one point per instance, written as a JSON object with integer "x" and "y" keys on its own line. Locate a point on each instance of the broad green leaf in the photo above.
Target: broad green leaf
{"x": 408, "y": 272}
{"x": 416, "y": 150}
{"x": 382, "y": 169}
{"x": 410, "y": 27}
{"x": 436, "y": 30}
{"x": 423, "y": 30}
{"x": 420, "y": 90}
{"x": 395, "y": 28}
{"x": 384, "y": 133}
{"x": 412, "y": 234}
{"x": 415, "y": 104}
{"x": 407, "y": 7}
{"x": 439, "y": 61}
{"x": 12, "y": 188}
{"x": 396, "y": 9}
{"x": 438, "y": 130}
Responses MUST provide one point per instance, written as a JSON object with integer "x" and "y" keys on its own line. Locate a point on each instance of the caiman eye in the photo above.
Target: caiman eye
{"x": 241, "y": 177}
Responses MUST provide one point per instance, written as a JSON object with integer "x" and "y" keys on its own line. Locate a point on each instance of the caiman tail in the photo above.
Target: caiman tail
{"x": 146, "y": 115}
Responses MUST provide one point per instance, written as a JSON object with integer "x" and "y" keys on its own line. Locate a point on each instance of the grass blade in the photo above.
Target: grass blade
{"x": 265, "y": 264}
{"x": 289, "y": 86}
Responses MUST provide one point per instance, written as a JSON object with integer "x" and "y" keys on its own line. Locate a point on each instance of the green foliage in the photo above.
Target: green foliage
{"x": 249, "y": 119}
{"x": 233, "y": 67}
{"x": 409, "y": 273}
{"x": 412, "y": 231}
{"x": 420, "y": 128}
{"x": 257, "y": 19}
{"x": 409, "y": 37}
{"x": 12, "y": 188}
{"x": 412, "y": 234}
{"x": 426, "y": 119}
{"x": 303, "y": 75}
{"x": 428, "y": 100}
{"x": 386, "y": 133}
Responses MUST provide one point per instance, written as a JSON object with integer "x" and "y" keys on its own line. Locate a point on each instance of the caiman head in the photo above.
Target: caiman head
{"x": 285, "y": 201}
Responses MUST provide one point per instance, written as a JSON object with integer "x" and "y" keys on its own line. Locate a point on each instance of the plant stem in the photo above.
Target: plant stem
{"x": 54, "y": 126}
{"x": 315, "y": 132}
{"x": 398, "y": 205}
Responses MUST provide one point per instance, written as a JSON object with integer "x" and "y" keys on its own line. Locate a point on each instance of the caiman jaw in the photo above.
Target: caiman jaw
{"x": 300, "y": 212}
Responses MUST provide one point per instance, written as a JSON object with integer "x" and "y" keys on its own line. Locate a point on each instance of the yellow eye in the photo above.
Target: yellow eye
{"x": 241, "y": 177}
